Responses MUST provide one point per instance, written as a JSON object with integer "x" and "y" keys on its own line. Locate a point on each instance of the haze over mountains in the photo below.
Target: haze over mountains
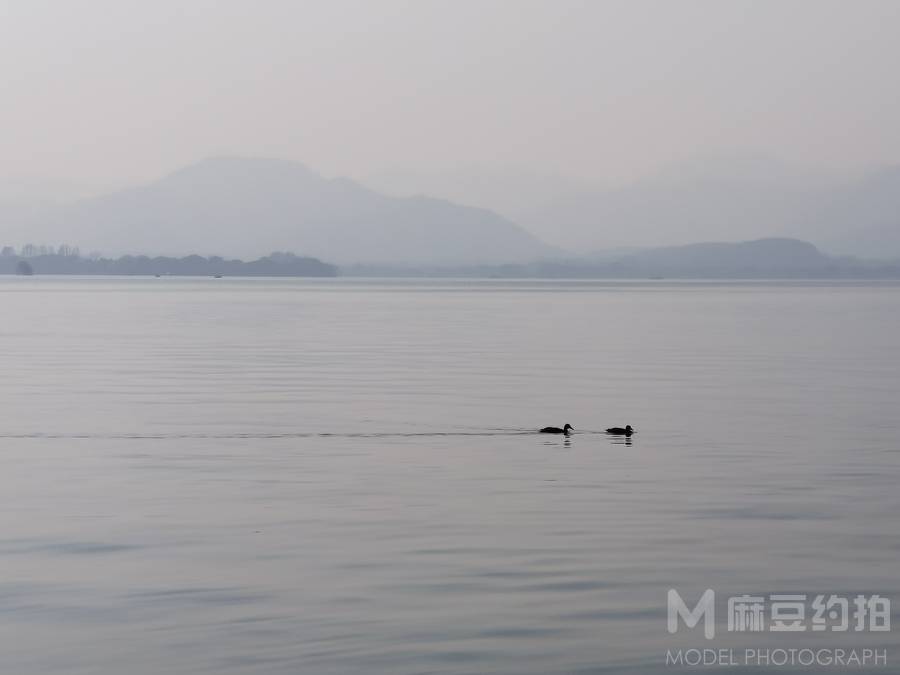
{"x": 714, "y": 199}
{"x": 514, "y": 192}
{"x": 246, "y": 208}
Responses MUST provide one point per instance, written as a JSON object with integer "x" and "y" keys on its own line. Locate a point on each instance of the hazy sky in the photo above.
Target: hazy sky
{"x": 111, "y": 92}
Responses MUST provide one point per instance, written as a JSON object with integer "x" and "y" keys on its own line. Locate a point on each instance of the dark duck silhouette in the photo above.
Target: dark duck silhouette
{"x": 619, "y": 431}
{"x": 556, "y": 430}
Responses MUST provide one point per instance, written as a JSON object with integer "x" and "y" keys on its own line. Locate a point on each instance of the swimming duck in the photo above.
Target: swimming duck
{"x": 619, "y": 431}
{"x": 556, "y": 430}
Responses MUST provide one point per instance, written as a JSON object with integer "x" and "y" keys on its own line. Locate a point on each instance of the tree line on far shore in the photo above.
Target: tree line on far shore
{"x": 67, "y": 259}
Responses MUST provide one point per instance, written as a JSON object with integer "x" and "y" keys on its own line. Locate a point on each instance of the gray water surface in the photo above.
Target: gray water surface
{"x": 287, "y": 476}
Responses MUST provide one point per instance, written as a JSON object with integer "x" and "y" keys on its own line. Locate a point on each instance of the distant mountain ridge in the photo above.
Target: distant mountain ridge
{"x": 772, "y": 258}
{"x": 846, "y": 217}
{"x": 727, "y": 197}
{"x": 242, "y": 207}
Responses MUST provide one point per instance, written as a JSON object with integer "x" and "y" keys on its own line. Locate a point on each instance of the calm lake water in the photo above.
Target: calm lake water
{"x": 289, "y": 476}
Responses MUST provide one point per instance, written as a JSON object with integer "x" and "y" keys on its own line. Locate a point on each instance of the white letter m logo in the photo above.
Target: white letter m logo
{"x": 705, "y": 609}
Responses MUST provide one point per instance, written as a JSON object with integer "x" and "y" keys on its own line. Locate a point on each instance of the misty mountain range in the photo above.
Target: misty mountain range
{"x": 770, "y": 258}
{"x": 714, "y": 199}
{"x": 859, "y": 218}
{"x": 245, "y": 208}
{"x": 248, "y": 207}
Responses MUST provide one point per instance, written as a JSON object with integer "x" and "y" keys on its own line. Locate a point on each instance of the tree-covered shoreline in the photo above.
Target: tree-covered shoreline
{"x": 68, "y": 260}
